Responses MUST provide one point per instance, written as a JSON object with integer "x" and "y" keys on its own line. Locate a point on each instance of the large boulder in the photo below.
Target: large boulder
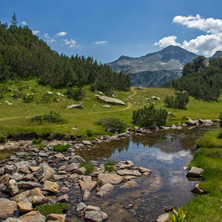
{"x": 7, "y": 208}
{"x": 110, "y": 178}
{"x": 111, "y": 100}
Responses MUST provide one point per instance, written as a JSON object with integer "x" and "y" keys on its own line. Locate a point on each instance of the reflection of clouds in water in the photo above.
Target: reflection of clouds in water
{"x": 167, "y": 157}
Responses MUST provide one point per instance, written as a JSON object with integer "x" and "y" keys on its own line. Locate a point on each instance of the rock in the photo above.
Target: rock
{"x": 13, "y": 187}
{"x": 110, "y": 178}
{"x": 197, "y": 190}
{"x": 75, "y": 106}
{"x": 76, "y": 159}
{"x": 88, "y": 185}
{"x": 129, "y": 173}
{"x": 164, "y": 218}
{"x": 21, "y": 196}
{"x": 60, "y": 177}
{"x": 34, "y": 169}
{"x": 7, "y": 208}
{"x": 36, "y": 192}
{"x": 165, "y": 127}
{"x": 169, "y": 208}
{"x": 105, "y": 189}
{"x": 24, "y": 206}
{"x": 90, "y": 207}
{"x": 154, "y": 127}
{"x": 59, "y": 156}
{"x": 155, "y": 98}
{"x": 194, "y": 172}
{"x": 130, "y": 184}
{"x": 208, "y": 122}
{"x": 106, "y": 106}
{"x": 111, "y": 100}
{"x": 71, "y": 167}
{"x": 56, "y": 217}
{"x": 33, "y": 216}
{"x": 9, "y": 169}
{"x": 25, "y": 164}
{"x": 65, "y": 189}
{"x": 5, "y": 179}
{"x": 95, "y": 215}
{"x": 125, "y": 164}
{"x": 86, "y": 195}
{"x": 12, "y": 219}
{"x": 17, "y": 176}
{"x": 51, "y": 186}
{"x": 36, "y": 200}
{"x": 28, "y": 185}
{"x": 63, "y": 198}
{"x": 191, "y": 122}
{"x": 80, "y": 206}
{"x": 86, "y": 142}
{"x": 44, "y": 173}
{"x": 142, "y": 169}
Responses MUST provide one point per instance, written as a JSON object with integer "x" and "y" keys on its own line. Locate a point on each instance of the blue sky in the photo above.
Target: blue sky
{"x": 107, "y": 29}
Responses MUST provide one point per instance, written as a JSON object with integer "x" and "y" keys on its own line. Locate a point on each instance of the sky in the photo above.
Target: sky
{"x": 108, "y": 29}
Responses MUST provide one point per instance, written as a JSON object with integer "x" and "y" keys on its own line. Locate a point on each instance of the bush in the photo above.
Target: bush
{"x": 89, "y": 167}
{"x": 178, "y": 216}
{"x": 179, "y": 102}
{"x": 76, "y": 94}
{"x": 149, "y": 116}
{"x": 28, "y": 98}
{"x": 47, "y": 98}
{"x": 36, "y": 141}
{"x": 113, "y": 125}
{"x": 52, "y": 117}
{"x": 61, "y": 148}
{"x": 59, "y": 208}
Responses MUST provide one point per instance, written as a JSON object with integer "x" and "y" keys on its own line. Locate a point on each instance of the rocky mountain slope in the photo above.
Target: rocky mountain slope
{"x": 154, "y": 69}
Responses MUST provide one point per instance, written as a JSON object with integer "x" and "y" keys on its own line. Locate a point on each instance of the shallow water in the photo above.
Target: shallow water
{"x": 165, "y": 153}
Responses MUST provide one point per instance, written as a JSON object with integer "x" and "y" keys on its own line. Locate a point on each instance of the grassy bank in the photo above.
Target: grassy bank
{"x": 15, "y": 118}
{"x": 209, "y": 157}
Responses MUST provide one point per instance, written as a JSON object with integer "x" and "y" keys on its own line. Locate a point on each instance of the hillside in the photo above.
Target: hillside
{"x": 170, "y": 61}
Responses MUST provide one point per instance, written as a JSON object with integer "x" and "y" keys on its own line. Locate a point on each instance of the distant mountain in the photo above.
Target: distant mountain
{"x": 156, "y": 68}
{"x": 216, "y": 54}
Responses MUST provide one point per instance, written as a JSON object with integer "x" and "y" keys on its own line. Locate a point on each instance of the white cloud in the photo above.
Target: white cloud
{"x": 61, "y": 33}
{"x": 166, "y": 41}
{"x": 52, "y": 40}
{"x": 206, "y": 44}
{"x": 24, "y": 23}
{"x": 71, "y": 43}
{"x": 35, "y": 32}
{"x": 100, "y": 43}
{"x": 46, "y": 35}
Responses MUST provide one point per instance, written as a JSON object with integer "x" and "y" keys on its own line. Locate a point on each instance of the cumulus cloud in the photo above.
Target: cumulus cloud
{"x": 24, "y": 23}
{"x": 61, "y": 33}
{"x": 46, "y": 35}
{"x": 206, "y": 44}
{"x": 70, "y": 42}
{"x": 100, "y": 43}
{"x": 35, "y": 32}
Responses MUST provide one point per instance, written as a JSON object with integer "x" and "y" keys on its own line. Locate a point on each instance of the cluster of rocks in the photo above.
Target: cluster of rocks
{"x": 33, "y": 177}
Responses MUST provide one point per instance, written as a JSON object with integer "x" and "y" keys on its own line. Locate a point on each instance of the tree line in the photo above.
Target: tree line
{"x": 23, "y": 55}
{"x": 201, "y": 78}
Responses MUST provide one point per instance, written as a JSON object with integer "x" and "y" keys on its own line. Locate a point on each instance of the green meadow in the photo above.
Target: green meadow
{"x": 16, "y": 111}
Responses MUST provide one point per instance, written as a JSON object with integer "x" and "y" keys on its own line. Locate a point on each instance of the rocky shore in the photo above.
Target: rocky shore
{"x": 32, "y": 177}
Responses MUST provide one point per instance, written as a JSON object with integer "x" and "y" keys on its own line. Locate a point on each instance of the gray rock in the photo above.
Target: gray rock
{"x": 63, "y": 198}
{"x": 25, "y": 206}
{"x": 71, "y": 167}
{"x": 56, "y": 217}
{"x": 130, "y": 184}
{"x": 105, "y": 189}
{"x": 80, "y": 206}
{"x": 192, "y": 122}
{"x": 106, "y": 106}
{"x": 110, "y": 178}
{"x": 95, "y": 215}
{"x": 155, "y": 98}
{"x": 44, "y": 173}
{"x": 75, "y": 106}
{"x": 154, "y": 127}
{"x": 7, "y": 208}
{"x": 12, "y": 219}
{"x": 17, "y": 176}
{"x": 51, "y": 186}
{"x": 9, "y": 169}
{"x": 28, "y": 185}
{"x": 87, "y": 185}
{"x": 195, "y": 172}
{"x": 86, "y": 195}
{"x": 25, "y": 164}
{"x": 129, "y": 173}
{"x": 163, "y": 218}
{"x": 33, "y": 216}
{"x": 13, "y": 187}
{"x": 111, "y": 100}
{"x": 197, "y": 190}
{"x": 76, "y": 159}
{"x": 60, "y": 177}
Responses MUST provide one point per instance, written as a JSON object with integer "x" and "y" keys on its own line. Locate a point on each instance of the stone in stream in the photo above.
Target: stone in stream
{"x": 87, "y": 185}
{"x": 13, "y": 187}
{"x": 95, "y": 215}
{"x": 80, "y": 206}
{"x": 7, "y": 208}
{"x": 33, "y": 216}
{"x": 163, "y": 218}
{"x": 86, "y": 195}
{"x": 63, "y": 198}
{"x": 110, "y": 178}
{"x": 129, "y": 173}
{"x": 105, "y": 189}
{"x": 44, "y": 173}
{"x": 194, "y": 172}
{"x": 28, "y": 185}
{"x": 197, "y": 190}
{"x": 51, "y": 186}
{"x": 76, "y": 159}
{"x": 56, "y": 217}
{"x": 130, "y": 184}
{"x": 24, "y": 206}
